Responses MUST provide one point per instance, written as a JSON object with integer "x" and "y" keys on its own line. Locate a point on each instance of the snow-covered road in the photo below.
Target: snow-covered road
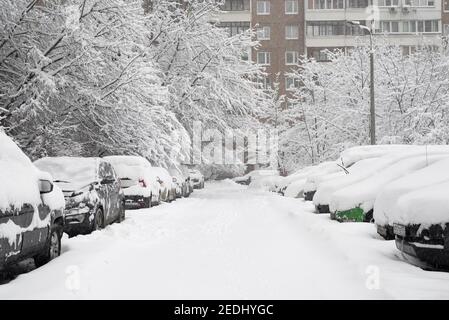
{"x": 233, "y": 243}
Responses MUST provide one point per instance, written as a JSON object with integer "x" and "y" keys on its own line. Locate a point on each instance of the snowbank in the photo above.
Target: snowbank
{"x": 363, "y": 194}
{"x": 386, "y": 205}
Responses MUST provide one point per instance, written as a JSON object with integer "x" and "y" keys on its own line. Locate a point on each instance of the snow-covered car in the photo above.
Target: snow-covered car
{"x": 323, "y": 172}
{"x": 168, "y": 187}
{"x": 91, "y": 189}
{"x": 139, "y": 184}
{"x": 386, "y": 204}
{"x": 356, "y": 202}
{"x": 183, "y": 188}
{"x": 363, "y": 169}
{"x": 197, "y": 178}
{"x": 265, "y": 180}
{"x": 31, "y": 209}
{"x": 421, "y": 226}
{"x": 348, "y": 157}
{"x": 284, "y": 182}
{"x": 254, "y": 175}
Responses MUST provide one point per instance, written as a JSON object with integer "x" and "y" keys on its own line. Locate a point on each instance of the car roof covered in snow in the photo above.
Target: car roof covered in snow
{"x": 424, "y": 206}
{"x": 354, "y": 154}
{"x": 18, "y": 176}
{"x": 70, "y": 173}
{"x": 19, "y": 179}
{"x": 128, "y": 160}
{"x": 133, "y": 167}
{"x": 386, "y": 205}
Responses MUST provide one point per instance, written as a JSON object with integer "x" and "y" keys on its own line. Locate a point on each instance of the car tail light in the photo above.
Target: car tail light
{"x": 142, "y": 183}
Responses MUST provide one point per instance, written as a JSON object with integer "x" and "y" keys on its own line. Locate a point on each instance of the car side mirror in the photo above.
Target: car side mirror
{"x": 45, "y": 186}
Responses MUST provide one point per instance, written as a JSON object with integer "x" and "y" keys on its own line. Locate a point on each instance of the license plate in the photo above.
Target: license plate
{"x": 399, "y": 230}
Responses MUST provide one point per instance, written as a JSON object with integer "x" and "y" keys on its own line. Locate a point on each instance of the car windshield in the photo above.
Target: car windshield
{"x": 70, "y": 173}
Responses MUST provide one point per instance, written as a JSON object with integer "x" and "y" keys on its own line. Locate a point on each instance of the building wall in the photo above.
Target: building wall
{"x": 400, "y": 15}
{"x": 278, "y": 20}
{"x": 445, "y": 16}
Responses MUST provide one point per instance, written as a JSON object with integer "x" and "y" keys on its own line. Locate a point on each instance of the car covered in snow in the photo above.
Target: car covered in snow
{"x": 356, "y": 202}
{"x": 347, "y": 159}
{"x": 267, "y": 180}
{"x": 421, "y": 226}
{"x": 182, "y": 182}
{"x": 386, "y": 204}
{"x": 139, "y": 183}
{"x": 168, "y": 187}
{"x": 91, "y": 189}
{"x": 366, "y": 168}
{"x": 254, "y": 175}
{"x": 31, "y": 209}
{"x": 197, "y": 178}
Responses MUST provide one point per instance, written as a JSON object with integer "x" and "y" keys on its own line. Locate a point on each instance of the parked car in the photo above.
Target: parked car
{"x": 31, "y": 209}
{"x": 347, "y": 159}
{"x": 197, "y": 178}
{"x": 264, "y": 180}
{"x": 91, "y": 189}
{"x": 356, "y": 202}
{"x": 254, "y": 175}
{"x": 138, "y": 182}
{"x": 386, "y": 204}
{"x": 421, "y": 226}
{"x": 182, "y": 183}
{"x": 363, "y": 169}
{"x": 168, "y": 187}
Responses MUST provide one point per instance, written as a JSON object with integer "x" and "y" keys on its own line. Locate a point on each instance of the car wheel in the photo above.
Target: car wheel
{"x": 98, "y": 222}
{"x": 52, "y": 248}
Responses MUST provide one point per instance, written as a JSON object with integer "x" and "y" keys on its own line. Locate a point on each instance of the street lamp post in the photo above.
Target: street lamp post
{"x": 372, "y": 130}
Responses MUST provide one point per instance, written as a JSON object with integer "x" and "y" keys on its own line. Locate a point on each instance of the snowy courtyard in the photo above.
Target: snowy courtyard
{"x": 229, "y": 242}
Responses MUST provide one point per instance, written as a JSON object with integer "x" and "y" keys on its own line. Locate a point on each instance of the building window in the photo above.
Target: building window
{"x": 320, "y": 55}
{"x": 263, "y": 7}
{"x": 389, "y": 27}
{"x": 388, "y": 3}
{"x": 291, "y": 83}
{"x": 263, "y": 33}
{"x": 291, "y": 6}
{"x": 291, "y": 32}
{"x": 235, "y": 28}
{"x": 291, "y": 57}
{"x": 264, "y": 58}
{"x": 421, "y": 26}
{"x": 236, "y": 5}
{"x": 328, "y": 4}
{"x": 358, "y": 3}
{"x": 333, "y": 28}
{"x": 446, "y": 5}
{"x": 265, "y": 83}
{"x": 420, "y": 3}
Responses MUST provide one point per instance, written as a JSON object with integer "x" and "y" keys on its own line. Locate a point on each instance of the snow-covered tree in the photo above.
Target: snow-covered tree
{"x": 332, "y": 106}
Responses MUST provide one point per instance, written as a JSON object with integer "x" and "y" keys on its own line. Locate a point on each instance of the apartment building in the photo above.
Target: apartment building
{"x": 445, "y": 17}
{"x": 280, "y": 30}
{"x": 409, "y": 23}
